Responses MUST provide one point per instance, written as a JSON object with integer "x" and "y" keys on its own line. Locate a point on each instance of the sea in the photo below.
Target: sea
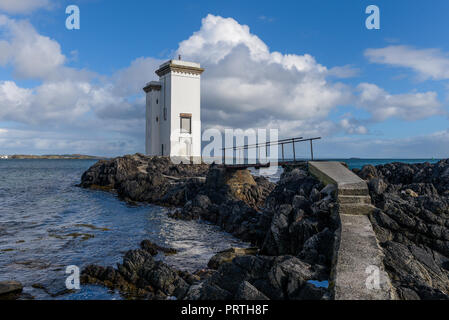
{"x": 47, "y": 224}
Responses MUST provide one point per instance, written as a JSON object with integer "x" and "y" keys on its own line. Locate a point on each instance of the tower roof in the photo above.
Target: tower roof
{"x": 179, "y": 66}
{"x": 151, "y": 86}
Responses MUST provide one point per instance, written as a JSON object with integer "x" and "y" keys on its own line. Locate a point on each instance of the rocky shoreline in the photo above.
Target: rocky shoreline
{"x": 291, "y": 225}
{"x": 412, "y": 225}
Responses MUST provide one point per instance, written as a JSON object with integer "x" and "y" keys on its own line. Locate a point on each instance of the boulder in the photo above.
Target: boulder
{"x": 228, "y": 255}
{"x": 153, "y": 249}
{"x": 10, "y": 287}
{"x": 412, "y": 226}
{"x": 377, "y": 185}
{"x": 141, "y": 276}
{"x": 247, "y": 291}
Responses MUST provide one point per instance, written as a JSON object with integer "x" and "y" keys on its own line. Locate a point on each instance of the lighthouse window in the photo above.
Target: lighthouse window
{"x": 165, "y": 113}
{"x": 186, "y": 123}
{"x": 157, "y": 101}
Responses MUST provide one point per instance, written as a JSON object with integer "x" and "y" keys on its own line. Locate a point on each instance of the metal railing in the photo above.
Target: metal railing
{"x": 265, "y": 145}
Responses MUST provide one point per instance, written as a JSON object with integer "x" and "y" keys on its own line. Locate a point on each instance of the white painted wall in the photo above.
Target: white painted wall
{"x": 179, "y": 93}
{"x": 153, "y": 101}
{"x": 185, "y": 98}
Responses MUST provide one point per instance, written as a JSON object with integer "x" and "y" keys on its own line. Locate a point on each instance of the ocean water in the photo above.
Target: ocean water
{"x": 47, "y": 224}
{"x": 359, "y": 163}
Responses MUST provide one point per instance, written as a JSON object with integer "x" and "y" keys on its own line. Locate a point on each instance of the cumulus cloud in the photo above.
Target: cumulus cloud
{"x": 247, "y": 85}
{"x": 428, "y": 63}
{"x": 353, "y": 126}
{"x": 23, "y": 6}
{"x": 32, "y": 55}
{"x": 410, "y": 106}
{"x": 65, "y": 94}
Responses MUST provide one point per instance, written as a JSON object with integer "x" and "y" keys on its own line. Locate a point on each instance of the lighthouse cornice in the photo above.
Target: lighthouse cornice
{"x": 179, "y": 67}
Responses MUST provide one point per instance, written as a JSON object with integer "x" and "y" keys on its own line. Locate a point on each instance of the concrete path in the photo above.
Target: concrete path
{"x": 357, "y": 272}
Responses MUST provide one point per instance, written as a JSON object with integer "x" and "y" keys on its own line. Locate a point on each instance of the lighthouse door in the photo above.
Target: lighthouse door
{"x": 186, "y": 146}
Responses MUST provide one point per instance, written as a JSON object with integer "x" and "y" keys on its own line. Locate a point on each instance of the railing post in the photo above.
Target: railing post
{"x": 282, "y": 146}
{"x": 258, "y": 153}
{"x": 294, "y": 153}
{"x": 311, "y": 148}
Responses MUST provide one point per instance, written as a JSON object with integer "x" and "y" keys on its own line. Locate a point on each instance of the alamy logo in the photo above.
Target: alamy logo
{"x": 373, "y": 280}
{"x": 73, "y": 20}
{"x": 373, "y": 20}
{"x": 72, "y": 282}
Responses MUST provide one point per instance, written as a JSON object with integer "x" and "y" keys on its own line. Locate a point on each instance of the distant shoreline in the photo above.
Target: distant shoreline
{"x": 53, "y": 157}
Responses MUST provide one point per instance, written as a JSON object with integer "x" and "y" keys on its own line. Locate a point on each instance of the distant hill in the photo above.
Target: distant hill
{"x": 55, "y": 156}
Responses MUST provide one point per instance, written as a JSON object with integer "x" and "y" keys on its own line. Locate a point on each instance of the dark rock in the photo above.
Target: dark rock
{"x": 246, "y": 291}
{"x": 412, "y": 226}
{"x": 377, "y": 185}
{"x": 227, "y": 256}
{"x": 144, "y": 178}
{"x": 280, "y": 277}
{"x": 53, "y": 287}
{"x": 153, "y": 249}
{"x": 10, "y": 289}
{"x": 297, "y": 213}
{"x": 368, "y": 172}
{"x": 140, "y": 276}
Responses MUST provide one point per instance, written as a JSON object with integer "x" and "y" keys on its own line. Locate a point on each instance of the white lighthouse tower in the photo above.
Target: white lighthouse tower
{"x": 173, "y": 112}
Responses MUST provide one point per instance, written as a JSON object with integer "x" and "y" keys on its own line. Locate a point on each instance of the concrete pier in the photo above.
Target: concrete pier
{"x": 357, "y": 272}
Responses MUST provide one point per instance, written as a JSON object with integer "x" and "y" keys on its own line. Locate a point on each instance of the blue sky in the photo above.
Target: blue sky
{"x": 306, "y": 67}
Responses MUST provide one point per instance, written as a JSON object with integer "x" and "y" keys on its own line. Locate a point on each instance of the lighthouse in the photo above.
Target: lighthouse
{"x": 173, "y": 112}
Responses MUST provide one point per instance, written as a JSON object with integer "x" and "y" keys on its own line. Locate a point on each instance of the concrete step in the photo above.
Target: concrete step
{"x": 363, "y": 191}
{"x": 354, "y": 199}
{"x": 356, "y": 209}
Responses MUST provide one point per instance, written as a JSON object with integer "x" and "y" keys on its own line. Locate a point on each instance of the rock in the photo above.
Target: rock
{"x": 140, "y": 276}
{"x": 228, "y": 255}
{"x": 270, "y": 276}
{"x": 412, "y": 226}
{"x": 145, "y": 178}
{"x": 153, "y": 249}
{"x": 329, "y": 190}
{"x": 368, "y": 172}
{"x": 10, "y": 287}
{"x": 297, "y": 213}
{"x": 377, "y": 185}
{"x": 411, "y": 193}
{"x": 207, "y": 291}
{"x": 246, "y": 291}
{"x": 53, "y": 287}
{"x": 202, "y": 201}
{"x": 224, "y": 184}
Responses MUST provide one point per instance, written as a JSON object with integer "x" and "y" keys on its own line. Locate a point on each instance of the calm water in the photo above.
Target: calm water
{"x": 47, "y": 223}
{"x": 359, "y": 163}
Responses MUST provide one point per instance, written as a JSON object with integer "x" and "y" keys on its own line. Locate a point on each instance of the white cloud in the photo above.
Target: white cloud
{"x": 352, "y": 126}
{"x": 347, "y": 71}
{"x": 23, "y": 6}
{"x": 32, "y": 55}
{"x": 246, "y": 85}
{"x": 410, "y": 106}
{"x": 428, "y": 63}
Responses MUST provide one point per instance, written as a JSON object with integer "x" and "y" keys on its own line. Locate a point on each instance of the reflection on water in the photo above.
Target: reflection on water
{"x": 47, "y": 223}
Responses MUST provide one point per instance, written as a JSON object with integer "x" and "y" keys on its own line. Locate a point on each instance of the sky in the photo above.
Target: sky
{"x": 307, "y": 68}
